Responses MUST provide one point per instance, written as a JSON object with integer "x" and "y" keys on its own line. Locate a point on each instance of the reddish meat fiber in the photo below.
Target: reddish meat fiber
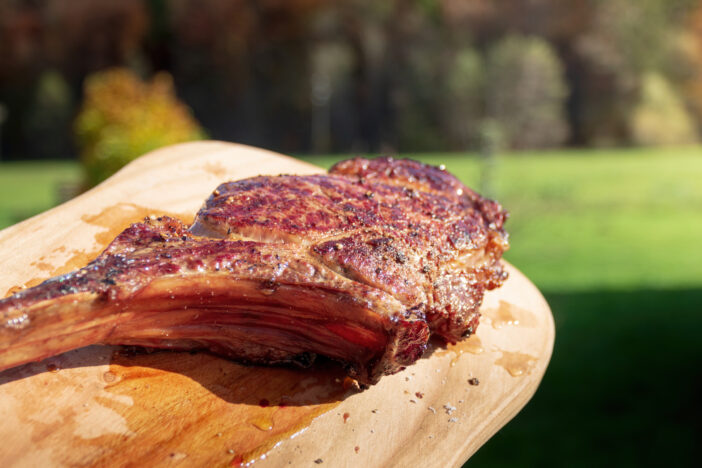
{"x": 360, "y": 265}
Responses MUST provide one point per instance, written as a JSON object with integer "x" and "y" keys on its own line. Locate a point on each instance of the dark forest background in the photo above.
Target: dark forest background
{"x": 305, "y": 76}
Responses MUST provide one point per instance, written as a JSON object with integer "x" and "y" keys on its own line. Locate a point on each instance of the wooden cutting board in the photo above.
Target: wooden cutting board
{"x": 111, "y": 406}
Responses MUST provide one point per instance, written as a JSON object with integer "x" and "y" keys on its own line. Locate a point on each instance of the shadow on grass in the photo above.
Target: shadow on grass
{"x": 624, "y": 387}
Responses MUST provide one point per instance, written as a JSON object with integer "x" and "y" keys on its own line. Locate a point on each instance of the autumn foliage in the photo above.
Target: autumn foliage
{"x": 123, "y": 117}
{"x": 363, "y": 76}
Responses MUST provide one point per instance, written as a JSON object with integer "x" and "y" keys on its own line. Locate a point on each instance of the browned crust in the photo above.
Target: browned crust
{"x": 360, "y": 265}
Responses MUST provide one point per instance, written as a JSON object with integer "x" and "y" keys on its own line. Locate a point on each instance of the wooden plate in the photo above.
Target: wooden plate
{"x": 105, "y": 406}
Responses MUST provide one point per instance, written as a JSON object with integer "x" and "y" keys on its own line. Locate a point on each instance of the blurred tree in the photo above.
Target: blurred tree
{"x": 415, "y": 65}
{"x": 486, "y": 20}
{"x": 352, "y": 75}
{"x": 373, "y": 35}
{"x": 244, "y": 67}
{"x": 44, "y": 42}
{"x": 49, "y": 117}
{"x": 691, "y": 45}
{"x": 84, "y": 36}
{"x": 123, "y": 117}
{"x": 331, "y": 62}
{"x": 464, "y": 98}
{"x": 660, "y": 117}
{"x": 606, "y": 47}
{"x": 490, "y": 143}
{"x": 626, "y": 42}
{"x": 525, "y": 92}
{"x": 3, "y": 117}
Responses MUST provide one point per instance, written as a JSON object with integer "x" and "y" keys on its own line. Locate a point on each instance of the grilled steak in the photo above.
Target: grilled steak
{"x": 360, "y": 265}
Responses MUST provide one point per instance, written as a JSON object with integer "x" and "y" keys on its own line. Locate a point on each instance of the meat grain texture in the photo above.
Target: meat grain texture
{"x": 361, "y": 265}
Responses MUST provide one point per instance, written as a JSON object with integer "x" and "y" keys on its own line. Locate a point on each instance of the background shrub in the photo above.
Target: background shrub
{"x": 124, "y": 117}
{"x": 526, "y": 92}
{"x": 660, "y": 118}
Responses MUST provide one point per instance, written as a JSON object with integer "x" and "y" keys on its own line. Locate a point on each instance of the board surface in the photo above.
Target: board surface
{"x": 110, "y": 406}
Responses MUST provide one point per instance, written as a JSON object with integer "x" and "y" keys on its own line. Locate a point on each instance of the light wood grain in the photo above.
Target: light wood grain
{"x": 100, "y": 406}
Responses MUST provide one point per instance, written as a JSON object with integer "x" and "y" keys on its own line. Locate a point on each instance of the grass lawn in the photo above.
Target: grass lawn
{"x": 28, "y": 188}
{"x": 612, "y": 239}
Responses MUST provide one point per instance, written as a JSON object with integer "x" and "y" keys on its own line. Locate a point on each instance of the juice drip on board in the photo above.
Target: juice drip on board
{"x": 471, "y": 345}
{"x": 231, "y": 411}
{"x": 517, "y": 364}
{"x": 507, "y": 314}
{"x": 113, "y": 220}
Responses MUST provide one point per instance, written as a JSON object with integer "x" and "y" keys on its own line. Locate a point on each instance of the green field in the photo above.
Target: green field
{"x": 611, "y": 238}
{"x": 28, "y": 188}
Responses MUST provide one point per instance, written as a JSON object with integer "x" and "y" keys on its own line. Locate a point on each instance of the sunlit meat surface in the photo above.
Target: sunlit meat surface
{"x": 360, "y": 265}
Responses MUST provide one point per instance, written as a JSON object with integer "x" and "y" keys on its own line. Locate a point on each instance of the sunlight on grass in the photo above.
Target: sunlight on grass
{"x": 29, "y": 188}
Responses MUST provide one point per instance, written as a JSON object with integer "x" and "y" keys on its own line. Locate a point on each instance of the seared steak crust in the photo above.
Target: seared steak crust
{"x": 360, "y": 265}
